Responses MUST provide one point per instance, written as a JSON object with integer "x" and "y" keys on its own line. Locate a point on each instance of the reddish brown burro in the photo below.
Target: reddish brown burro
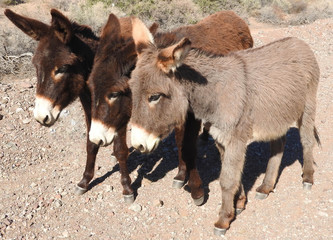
{"x": 116, "y": 57}
{"x": 254, "y": 94}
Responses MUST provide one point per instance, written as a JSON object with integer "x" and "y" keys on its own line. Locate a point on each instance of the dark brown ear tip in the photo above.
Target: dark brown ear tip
{"x": 112, "y": 19}
{"x": 8, "y": 12}
{"x": 56, "y": 12}
{"x": 112, "y": 16}
{"x": 155, "y": 24}
{"x": 153, "y": 28}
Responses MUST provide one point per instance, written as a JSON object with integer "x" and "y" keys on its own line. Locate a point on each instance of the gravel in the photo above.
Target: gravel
{"x": 41, "y": 166}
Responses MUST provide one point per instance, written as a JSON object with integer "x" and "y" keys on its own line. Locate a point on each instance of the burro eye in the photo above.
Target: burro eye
{"x": 62, "y": 69}
{"x": 154, "y": 98}
{"x": 113, "y": 95}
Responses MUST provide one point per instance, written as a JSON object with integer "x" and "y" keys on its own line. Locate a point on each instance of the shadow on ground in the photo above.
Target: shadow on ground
{"x": 156, "y": 165}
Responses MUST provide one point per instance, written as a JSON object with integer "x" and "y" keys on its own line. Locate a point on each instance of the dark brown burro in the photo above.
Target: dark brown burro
{"x": 114, "y": 61}
{"x": 250, "y": 95}
{"x": 63, "y": 61}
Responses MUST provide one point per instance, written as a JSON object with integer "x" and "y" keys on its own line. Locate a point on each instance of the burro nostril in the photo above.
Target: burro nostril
{"x": 100, "y": 143}
{"x": 45, "y": 119}
{"x": 141, "y": 148}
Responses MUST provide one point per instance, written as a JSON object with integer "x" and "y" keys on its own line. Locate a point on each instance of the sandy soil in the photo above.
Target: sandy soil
{"x": 40, "y": 168}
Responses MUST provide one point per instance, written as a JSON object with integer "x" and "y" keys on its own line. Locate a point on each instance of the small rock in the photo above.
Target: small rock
{"x": 100, "y": 197}
{"x": 18, "y": 110}
{"x": 1, "y": 116}
{"x": 7, "y": 222}
{"x": 108, "y": 188}
{"x": 65, "y": 234}
{"x": 158, "y": 203}
{"x": 26, "y": 120}
{"x": 5, "y": 100}
{"x": 322, "y": 214}
{"x": 135, "y": 207}
{"x": 64, "y": 113}
{"x": 58, "y": 203}
{"x": 58, "y": 196}
{"x": 25, "y": 85}
{"x": 113, "y": 160}
{"x": 33, "y": 185}
{"x": 10, "y": 127}
{"x": 29, "y": 216}
{"x": 111, "y": 214}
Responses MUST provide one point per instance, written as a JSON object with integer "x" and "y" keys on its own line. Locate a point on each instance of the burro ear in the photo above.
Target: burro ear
{"x": 172, "y": 57}
{"x": 33, "y": 28}
{"x": 62, "y": 26}
{"x": 111, "y": 28}
{"x": 153, "y": 28}
{"x": 141, "y": 35}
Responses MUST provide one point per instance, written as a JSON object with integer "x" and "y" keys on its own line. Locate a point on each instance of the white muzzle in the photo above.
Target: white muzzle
{"x": 100, "y": 134}
{"x": 44, "y": 112}
{"x": 142, "y": 140}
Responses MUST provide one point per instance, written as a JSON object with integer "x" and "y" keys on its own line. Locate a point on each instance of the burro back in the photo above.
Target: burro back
{"x": 255, "y": 94}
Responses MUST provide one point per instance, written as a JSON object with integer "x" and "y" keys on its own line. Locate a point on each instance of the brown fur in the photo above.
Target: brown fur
{"x": 227, "y": 32}
{"x": 116, "y": 56}
{"x": 69, "y": 47}
{"x": 248, "y": 95}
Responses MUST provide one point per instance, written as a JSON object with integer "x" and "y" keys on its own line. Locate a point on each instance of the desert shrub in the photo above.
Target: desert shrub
{"x": 12, "y": 2}
{"x": 15, "y": 52}
{"x": 167, "y": 13}
{"x": 314, "y": 10}
{"x": 93, "y": 13}
{"x": 15, "y": 42}
{"x": 16, "y": 64}
{"x": 294, "y": 12}
{"x": 173, "y": 14}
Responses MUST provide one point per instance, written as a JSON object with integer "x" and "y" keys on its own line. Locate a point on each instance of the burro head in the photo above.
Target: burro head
{"x": 159, "y": 100}
{"x": 59, "y": 62}
{"x": 108, "y": 82}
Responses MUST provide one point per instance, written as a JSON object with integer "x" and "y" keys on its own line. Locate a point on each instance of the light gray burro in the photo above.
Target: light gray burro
{"x": 250, "y": 95}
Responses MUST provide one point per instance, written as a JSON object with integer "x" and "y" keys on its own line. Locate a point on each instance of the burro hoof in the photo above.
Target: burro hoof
{"x": 219, "y": 231}
{"x": 307, "y": 186}
{"x": 80, "y": 190}
{"x": 261, "y": 196}
{"x": 129, "y": 198}
{"x": 239, "y": 210}
{"x": 177, "y": 183}
{"x": 199, "y": 201}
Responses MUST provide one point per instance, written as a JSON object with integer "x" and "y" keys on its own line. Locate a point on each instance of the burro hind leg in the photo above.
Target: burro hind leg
{"x": 230, "y": 180}
{"x": 308, "y": 135}
{"x": 272, "y": 170}
{"x": 308, "y": 141}
{"x": 187, "y": 149}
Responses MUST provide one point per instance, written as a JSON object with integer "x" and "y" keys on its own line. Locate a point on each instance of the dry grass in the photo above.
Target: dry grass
{"x": 83, "y": 12}
{"x": 169, "y": 14}
{"x": 12, "y": 64}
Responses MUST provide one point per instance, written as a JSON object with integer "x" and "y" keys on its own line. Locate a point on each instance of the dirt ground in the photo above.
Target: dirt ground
{"x": 40, "y": 168}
